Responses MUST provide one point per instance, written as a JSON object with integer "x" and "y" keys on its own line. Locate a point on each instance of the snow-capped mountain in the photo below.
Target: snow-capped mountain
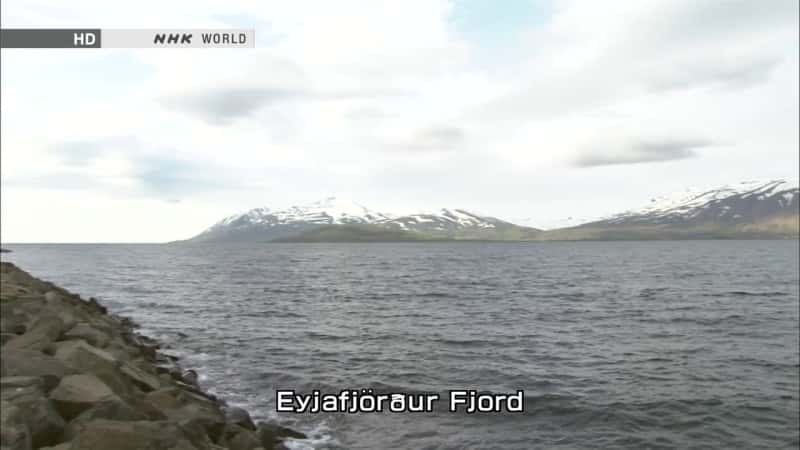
{"x": 752, "y": 209}
{"x": 745, "y": 202}
{"x": 330, "y": 211}
{"x": 444, "y": 220}
{"x": 265, "y": 224}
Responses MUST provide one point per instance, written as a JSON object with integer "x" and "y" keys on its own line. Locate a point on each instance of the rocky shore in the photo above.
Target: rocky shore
{"x": 74, "y": 376}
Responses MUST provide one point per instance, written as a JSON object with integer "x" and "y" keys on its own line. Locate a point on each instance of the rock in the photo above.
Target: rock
{"x": 93, "y": 304}
{"x": 270, "y": 435}
{"x": 147, "y": 382}
{"x": 5, "y": 337}
{"x": 14, "y": 433}
{"x": 193, "y": 390}
{"x": 34, "y": 363}
{"x": 66, "y": 358}
{"x": 104, "y": 434}
{"x": 43, "y": 331}
{"x": 245, "y": 440}
{"x": 121, "y": 351}
{"x": 64, "y": 446}
{"x": 212, "y": 421}
{"x": 77, "y": 393}
{"x": 164, "y": 398}
{"x": 52, "y": 296}
{"x": 11, "y": 321}
{"x": 27, "y": 395}
{"x": 189, "y": 410}
{"x": 8, "y": 385}
{"x": 239, "y": 416}
{"x": 88, "y": 333}
{"x": 190, "y": 377}
{"x": 83, "y": 357}
{"x": 111, "y": 410}
{"x": 146, "y": 408}
{"x": 197, "y": 433}
{"x": 183, "y": 445}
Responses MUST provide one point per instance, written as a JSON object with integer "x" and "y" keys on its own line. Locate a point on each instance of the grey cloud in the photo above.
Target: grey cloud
{"x": 680, "y": 23}
{"x": 438, "y": 138}
{"x": 157, "y": 174}
{"x": 223, "y": 106}
{"x": 170, "y": 177}
{"x": 739, "y": 74}
{"x": 84, "y": 152}
{"x": 674, "y": 45}
{"x": 643, "y": 152}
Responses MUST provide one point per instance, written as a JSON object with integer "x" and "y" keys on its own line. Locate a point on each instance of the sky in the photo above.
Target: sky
{"x": 528, "y": 110}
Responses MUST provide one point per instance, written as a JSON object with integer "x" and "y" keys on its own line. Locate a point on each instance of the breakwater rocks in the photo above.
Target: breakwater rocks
{"x": 74, "y": 377}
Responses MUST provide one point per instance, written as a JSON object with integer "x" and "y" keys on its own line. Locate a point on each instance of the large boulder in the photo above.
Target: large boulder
{"x": 85, "y": 331}
{"x": 243, "y": 440}
{"x": 81, "y": 356}
{"x": 111, "y": 410}
{"x": 32, "y": 408}
{"x": 77, "y": 393}
{"x": 42, "y": 332}
{"x": 5, "y": 337}
{"x": 11, "y": 320}
{"x": 33, "y": 363}
{"x": 190, "y": 409}
{"x": 164, "y": 398}
{"x": 104, "y": 434}
{"x": 144, "y": 380}
{"x": 239, "y": 416}
{"x": 14, "y": 433}
{"x": 271, "y": 435}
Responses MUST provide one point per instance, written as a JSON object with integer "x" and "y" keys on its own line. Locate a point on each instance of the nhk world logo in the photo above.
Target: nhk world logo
{"x": 214, "y": 38}
{"x": 128, "y": 38}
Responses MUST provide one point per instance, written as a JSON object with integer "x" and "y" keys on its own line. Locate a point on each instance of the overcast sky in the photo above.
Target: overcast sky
{"x": 527, "y": 110}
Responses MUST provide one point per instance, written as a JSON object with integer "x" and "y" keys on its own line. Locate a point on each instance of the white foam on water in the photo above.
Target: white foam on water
{"x": 319, "y": 437}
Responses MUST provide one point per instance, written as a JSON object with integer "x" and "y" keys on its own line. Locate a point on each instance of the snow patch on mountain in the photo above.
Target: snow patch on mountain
{"x": 726, "y": 202}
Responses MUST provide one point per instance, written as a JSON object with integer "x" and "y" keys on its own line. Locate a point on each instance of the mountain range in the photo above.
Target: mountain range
{"x": 753, "y": 209}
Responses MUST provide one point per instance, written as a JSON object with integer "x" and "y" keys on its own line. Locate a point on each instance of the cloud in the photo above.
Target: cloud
{"x": 434, "y": 139}
{"x": 745, "y": 71}
{"x": 223, "y": 106}
{"x": 507, "y": 105}
{"x": 81, "y": 153}
{"x": 643, "y": 152}
{"x": 125, "y": 164}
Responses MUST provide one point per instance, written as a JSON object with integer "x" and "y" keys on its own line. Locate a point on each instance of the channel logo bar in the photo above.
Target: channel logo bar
{"x": 127, "y": 38}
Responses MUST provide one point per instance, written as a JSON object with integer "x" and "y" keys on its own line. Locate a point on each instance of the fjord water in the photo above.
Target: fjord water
{"x": 616, "y": 344}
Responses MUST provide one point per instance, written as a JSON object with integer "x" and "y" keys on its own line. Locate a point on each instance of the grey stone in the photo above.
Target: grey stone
{"x": 118, "y": 435}
{"x": 246, "y": 440}
{"x": 43, "y": 331}
{"x": 272, "y": 435}
{"x": 77, "y": 393}
{"x": 14, "y": 433}
{"x": 27, "y": 395}
{"x": 145, "y": 381}
{"x": 239, "y": 417}
{"x": 111, "y": 410}
{"x": 34, "y": 363}
{"x": 83, "y": 357}
{"x": 90, "y": 334}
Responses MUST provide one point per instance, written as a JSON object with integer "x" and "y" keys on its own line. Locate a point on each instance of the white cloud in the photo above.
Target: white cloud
{"x": 388, "y": 103}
